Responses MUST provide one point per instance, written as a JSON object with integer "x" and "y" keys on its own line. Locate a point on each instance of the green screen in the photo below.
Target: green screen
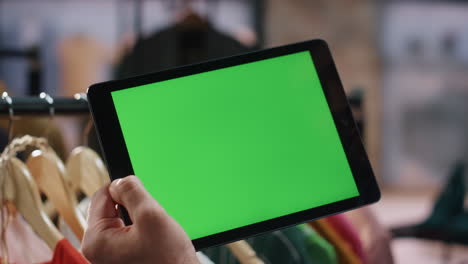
{"x": 235, "y": 146}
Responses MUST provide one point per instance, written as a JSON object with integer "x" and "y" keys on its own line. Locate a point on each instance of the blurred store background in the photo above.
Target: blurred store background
{"x": 406, "y": 60}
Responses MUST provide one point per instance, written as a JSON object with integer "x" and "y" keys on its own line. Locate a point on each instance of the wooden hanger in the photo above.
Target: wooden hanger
{"x": 22, "y": 192}
{"x": 244, "y": 253}
{"x": 49, "y": 172}
{"x": 85, "y": 171}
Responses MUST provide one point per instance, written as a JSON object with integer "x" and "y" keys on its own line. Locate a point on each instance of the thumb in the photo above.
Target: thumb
{"x": 131, "y": 194}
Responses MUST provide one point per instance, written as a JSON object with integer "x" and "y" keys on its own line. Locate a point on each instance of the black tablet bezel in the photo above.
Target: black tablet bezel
{"x": 119, "y": 165}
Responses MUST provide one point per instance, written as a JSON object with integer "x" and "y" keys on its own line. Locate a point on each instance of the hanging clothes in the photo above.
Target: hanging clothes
{"x": 286, "y": 246}
{"x": 343, "y": 249}
{"x": 448, "y": 218}
{"x": 319, "y": 247}
{"x": 348, "y": 232}
{"x": 176, "y": 46}
{"x": 24, "y": 246}
{"x": 375, "y": 237}
{"x": 65, "y": 253}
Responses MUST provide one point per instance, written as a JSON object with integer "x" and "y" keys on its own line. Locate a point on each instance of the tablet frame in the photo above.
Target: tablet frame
{"x": 118, "y": 160}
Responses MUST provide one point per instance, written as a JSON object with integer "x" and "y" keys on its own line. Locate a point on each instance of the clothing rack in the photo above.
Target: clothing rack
{"x": 40, "y": 106}
{"x": 79, "y": 105}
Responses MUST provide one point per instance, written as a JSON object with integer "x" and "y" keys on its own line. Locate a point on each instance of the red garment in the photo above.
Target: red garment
{"x": 65, "y": 253}
{"x": 347, "y": 231}
{"x": 375, "y": 238}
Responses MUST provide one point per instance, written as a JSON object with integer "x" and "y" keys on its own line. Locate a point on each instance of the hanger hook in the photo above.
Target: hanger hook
{"x": 50, "y": 101}
{"x": 89, "y": 124}
{"x": 9, "y": 101}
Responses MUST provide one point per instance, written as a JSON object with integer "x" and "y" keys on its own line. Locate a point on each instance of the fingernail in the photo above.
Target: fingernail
{"x": 116, "y": 182}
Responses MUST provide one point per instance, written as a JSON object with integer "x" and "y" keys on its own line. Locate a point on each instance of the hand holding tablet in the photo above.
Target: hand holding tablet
{"x": 238, "y": 146}
{"x": 108, "y": 240}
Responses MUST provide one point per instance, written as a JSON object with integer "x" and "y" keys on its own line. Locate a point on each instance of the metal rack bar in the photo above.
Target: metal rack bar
{"x": 73, "y": 106}
{"x": 18, "y": 53}
{"x": 38, "y": 106}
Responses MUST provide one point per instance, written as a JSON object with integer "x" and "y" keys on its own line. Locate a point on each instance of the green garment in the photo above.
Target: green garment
{"x": 448, "y": 219}
{"x": 294, "y": 245}
{"x": 319, "y": 248}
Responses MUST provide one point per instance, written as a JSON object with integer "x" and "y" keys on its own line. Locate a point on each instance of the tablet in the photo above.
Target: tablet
{"x": 238, "y": 146}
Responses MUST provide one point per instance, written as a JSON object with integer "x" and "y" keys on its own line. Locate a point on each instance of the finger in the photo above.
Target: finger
{"x": 102, "y": 207}
{"x": 131, "y": 194}
{"x": 102, "y": 216}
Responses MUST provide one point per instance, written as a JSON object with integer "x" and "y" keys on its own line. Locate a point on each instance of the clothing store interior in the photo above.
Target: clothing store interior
{"x": 403, "y": 66}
